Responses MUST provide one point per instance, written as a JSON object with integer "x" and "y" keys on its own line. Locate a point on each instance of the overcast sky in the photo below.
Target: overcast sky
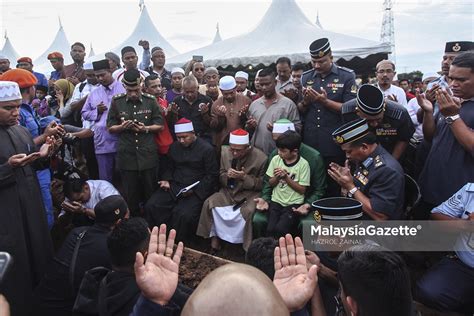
{"x": 421, "y": 27}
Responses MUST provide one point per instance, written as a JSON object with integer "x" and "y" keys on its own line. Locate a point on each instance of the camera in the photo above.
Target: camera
{"x": 69, "y": 139}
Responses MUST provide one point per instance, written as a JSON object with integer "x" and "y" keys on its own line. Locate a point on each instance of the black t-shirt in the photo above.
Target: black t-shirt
{"x": 55, "y": 293}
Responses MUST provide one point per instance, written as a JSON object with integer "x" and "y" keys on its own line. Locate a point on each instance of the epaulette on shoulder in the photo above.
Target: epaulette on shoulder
{"x": 348, "y": 107}
{"x": 345, "y": 69}
{"x": 470, "y": 187}
{"x": 394, "y": 111}
{"x": 120, "y": 95}
{"x": 307, "y": 71}
{"x": 147, "y": 95}
{"x": 378, "y": 161}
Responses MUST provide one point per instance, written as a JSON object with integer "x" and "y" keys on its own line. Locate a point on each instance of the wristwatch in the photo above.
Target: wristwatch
{"x": 352, "y": 191}
{"x": 450, "y": 119}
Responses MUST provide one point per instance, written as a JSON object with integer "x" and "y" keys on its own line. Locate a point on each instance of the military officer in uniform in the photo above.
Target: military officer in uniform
{"x": 377, "y": 180}
{"x": 388, "y": 120}
{"x": 325, "y": 88}
{"x": 136, "y": 117}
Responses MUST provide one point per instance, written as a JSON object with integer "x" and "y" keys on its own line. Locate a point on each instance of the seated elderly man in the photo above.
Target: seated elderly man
{"x": 190, "y": 179}
{"x": 315, "y": 191}
{"x": 227, "y": 214}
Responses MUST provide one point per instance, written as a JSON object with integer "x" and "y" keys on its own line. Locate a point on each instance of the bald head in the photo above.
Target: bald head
{"x": 235, "y": 289}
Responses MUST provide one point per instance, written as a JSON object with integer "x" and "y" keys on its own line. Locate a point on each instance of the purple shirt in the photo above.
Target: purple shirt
{"x": 104, "y": 142}
{"x": 170, "y": 95}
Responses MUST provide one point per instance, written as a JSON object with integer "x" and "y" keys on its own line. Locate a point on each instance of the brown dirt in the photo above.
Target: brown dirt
{"x": 195, "y": 265}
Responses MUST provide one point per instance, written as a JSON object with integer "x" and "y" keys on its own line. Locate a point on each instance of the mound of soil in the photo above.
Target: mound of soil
{"x": 195, "y": 265}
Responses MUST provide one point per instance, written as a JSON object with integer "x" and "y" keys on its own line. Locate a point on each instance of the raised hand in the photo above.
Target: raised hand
{"x": 342, "y": 175}
{"x": 157, "y": 278}
{"x": 293, "y": 280}
{"x": 423, "y": 102}
{"x": 448, "y": 105}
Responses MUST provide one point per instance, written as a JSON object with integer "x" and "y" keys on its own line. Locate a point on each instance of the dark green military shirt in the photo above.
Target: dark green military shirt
{"x": 135, "y": 151}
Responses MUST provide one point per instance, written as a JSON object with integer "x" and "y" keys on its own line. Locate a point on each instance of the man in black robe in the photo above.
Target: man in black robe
{"x": 23, "y": 226}
{"x": 193, "y": 161}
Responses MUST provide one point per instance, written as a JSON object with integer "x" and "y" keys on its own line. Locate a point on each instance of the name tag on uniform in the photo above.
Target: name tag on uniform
{"x": 386, "y": 131}
{"x": 335, "y": 86}
{"x": 144, "y": 112}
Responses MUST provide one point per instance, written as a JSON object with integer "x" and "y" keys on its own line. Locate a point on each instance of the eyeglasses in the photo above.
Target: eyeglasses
{"x": 198, "y": 69}
{"x": 387, "y": 71}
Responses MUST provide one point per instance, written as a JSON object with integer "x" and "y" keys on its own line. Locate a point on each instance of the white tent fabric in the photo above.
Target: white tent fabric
{"x": 59, "y": 44}
{"x": 9, "y": 52}
{"x": 146, "y": 30}
{"x": 217, "y": 37}
{"x": 91, "y": 52}
{"x": 283, "y": 31}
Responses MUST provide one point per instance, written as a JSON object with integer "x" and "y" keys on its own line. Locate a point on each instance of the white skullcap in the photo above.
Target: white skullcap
{"x": 429, "y": 75}
{"x": 9, "y": 91}
{"x": 88, "y": 66}
{"x": 242, "y": 74}
{"x": 227, "y": 83}
{"x": 183, "y": 126}
{"x": 176, "y": 70}
{"x": 239, "y": 137}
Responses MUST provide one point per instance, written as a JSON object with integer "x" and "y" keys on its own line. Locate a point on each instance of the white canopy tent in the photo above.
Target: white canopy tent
{"x": 283, "y": 31}
{"x": 9, "y": 51}
{"x": 59, "y": 44}
{"x": 146, "y": 30}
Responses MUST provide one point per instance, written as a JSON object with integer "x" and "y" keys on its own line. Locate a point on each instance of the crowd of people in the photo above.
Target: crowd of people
{"x": 120, "y": 148}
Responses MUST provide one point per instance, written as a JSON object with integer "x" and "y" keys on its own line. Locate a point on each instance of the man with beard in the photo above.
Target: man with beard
{"x": 388, "y": 120}
{"x": 227, "y": 214}
{"x": 242, "y": 79}
{"x": 385, "y": 72}
{"x": 136, "y": 118}
{"x": 228, "y": 112}
{"x": 377, "y": 180}
{"x": 75, "y": 72}
{"x": 23, "y": 231}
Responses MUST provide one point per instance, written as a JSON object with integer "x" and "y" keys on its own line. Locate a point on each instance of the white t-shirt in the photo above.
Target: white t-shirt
{"x": 398, "y": 92}
{"x": 412, "y": 108}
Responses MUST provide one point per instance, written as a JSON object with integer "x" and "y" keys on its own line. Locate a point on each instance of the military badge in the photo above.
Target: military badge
{"x": 339, "y": 139}
{"x": 309, "y": 83}
{"x": 456, "y": 48}
{"x": 321, "y": 53}
{"x": 354, "y": 89}
{"x": 317, "y": 216}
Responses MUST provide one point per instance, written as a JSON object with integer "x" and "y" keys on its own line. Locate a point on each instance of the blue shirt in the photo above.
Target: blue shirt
{"x": 449, "y": 165}
{"x": 42, "y": 81}
{"x": 460, "y": 205}
{"x": 29, "y": 120}
{"x": 55, "y": 75}
{"x": 320, "y": 121}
